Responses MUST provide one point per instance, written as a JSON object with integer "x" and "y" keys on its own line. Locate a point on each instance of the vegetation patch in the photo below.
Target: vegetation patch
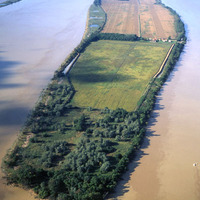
{"x": 115, "y": 74}
{"x": 97, "y": 19}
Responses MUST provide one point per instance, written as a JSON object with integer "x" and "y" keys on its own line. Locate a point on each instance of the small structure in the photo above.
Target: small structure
{"x": 195, "y": 164}
{"x": 164, "y": 40}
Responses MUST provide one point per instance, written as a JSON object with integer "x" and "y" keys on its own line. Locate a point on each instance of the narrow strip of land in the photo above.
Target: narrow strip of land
{"x": 164, "y": 62}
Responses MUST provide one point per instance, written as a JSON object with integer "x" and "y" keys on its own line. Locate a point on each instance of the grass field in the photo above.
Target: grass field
{"x": 143, "y": 18}
{"x": 115, "y": 74}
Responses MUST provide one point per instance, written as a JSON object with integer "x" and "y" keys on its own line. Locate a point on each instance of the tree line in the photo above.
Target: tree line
{"x": 117, "y": 36}
{"x": 97, "y": 2}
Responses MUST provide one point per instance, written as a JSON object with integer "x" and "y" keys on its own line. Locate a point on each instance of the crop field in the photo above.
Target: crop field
{"x": 156, "y": 21}
{"x": 122, "y": 16}
{"x": 143, "y": 18}
{"x": 115, "y": 74}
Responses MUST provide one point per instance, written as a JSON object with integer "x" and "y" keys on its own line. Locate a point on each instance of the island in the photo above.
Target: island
{"x": 91, "y": 119}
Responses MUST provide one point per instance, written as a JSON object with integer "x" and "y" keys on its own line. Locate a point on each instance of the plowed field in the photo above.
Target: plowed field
{"x": 122, "y": 16}
{"x": 141, "y": 17}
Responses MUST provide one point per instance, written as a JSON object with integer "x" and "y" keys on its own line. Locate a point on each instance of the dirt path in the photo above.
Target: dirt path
{"x": 164, "y": 62}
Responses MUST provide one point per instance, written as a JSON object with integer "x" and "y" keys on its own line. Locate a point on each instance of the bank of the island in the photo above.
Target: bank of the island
{"x": 7, "y": 2}
{"x": 89, "y": 123}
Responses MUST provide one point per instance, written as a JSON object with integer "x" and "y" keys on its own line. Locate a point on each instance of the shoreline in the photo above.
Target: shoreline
{"x": 4, "y": 3}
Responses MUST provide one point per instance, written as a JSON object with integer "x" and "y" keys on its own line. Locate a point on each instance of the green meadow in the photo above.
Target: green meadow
{"x": 115, "y": 74}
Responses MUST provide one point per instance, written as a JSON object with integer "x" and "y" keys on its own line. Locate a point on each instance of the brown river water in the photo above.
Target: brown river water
{"x": 35, "y": 38}
{"x": 163, "y": 169}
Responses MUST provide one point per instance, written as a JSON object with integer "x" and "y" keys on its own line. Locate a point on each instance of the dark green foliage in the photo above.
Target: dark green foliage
{"x": 80, "y": 124}
{"x": 42, "y": 190}
{"x": 27, "y": 176}
{"x": 88, "y": 156}
{"x": 158, "y": 2}
{"x": 8, "y": 2}
{"x": 117, "y": 36}
{"x": 97, "y": 2}
{"x": 118, "y": 124}
{"x": 41, "y": 118}
{"x": 52, "y": 153}
{"x": 11, "y": 161}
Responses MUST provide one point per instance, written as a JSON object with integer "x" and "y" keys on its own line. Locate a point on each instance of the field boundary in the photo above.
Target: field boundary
{"x": 69, "y": 67}
{"x": 164, "y": 62}
{"x": 143, "y": 97}
{"x": 139, "y": 24}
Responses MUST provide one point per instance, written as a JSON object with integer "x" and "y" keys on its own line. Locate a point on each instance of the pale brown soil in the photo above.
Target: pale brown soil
{"x": 122, "y": 16}
{"x": 166, "y": 19}
{"x": 126, "y": 17}
{"x": 27, "y": 140}
{"x": 147, "y": 24}
{"x": 147, "y": 2}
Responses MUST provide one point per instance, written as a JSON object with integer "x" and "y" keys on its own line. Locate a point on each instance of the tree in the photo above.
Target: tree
{"x": 80, "y": 124}
{"x": 105, "y": 167}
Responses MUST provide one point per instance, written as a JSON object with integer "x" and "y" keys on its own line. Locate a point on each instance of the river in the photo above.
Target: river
{"x": 35, "y": 38}
{"x": 164, "y": 167}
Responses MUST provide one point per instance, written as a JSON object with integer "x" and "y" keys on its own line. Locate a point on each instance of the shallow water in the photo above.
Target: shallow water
{"x": 94, "y": 26}
{"x": 164, "y": 168}
{"x": 35, "y": 37}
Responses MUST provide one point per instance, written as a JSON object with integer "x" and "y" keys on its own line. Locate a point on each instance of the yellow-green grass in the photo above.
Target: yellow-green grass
{"x": 115, "y": 74}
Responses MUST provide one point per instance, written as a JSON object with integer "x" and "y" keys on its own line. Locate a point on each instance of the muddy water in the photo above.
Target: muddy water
{"x": 164, "y": 168}
{"x": 35, "y": 37}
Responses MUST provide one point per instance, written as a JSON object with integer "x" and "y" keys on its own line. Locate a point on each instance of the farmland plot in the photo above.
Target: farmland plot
{"x": 115, "y": 74}
{"x": 122, "y": 16}
{"x": 141, "y": 17}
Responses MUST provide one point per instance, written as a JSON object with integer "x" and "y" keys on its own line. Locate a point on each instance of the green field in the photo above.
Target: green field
{"x": 115, "y": 74}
